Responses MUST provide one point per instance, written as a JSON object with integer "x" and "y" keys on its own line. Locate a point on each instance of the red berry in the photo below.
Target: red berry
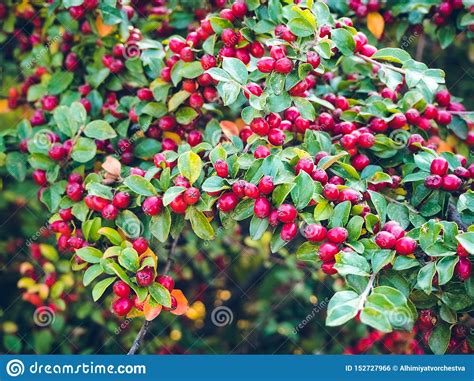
{"x": 439, "y": 166}
{"x": 288, "y": 231}
{"x": 260, "y": 126}
{"x": 304, "y": 164}
{"x": 315, "y": 232}
{"x": 229, "y": 37}
{"x": 256, "y": 49}
{"x": 405, "y": 246}
{"x": 461, "y": 251}
{"x": 266, "y": 64}
{"x": 122, "y": 306}
{"x": 284, "y": 65}
{"x": 337, "y": 235}
{"x": 166, "y": 281}
{"x": 265, "y": 185}
{"x": 251, "y": 190}
{"x": 262, "y": 207}
{"x": 145, "y": 277}
{"x": 221, "y": 167}
{"x": 152, "y": 205}
{"x": 331, "y": 192}
{"x": 443, "y": 98}
{"x": 74, "y": 191}
{"x": 179, "y": 205}
{"x": 385, "y": 240}
{"x": 433, "y": 182}
{"x": 313, "y": 59}
{"x": 464, "y": 268}
{"x": 227, "y": 202}
{"x": 394, "y": 228}
{"x": 121, "y": 289}
{"x": 444, "y": 117}
{"x": 121, "y": 200}
{"x": 451, "y": 183}
{"x": 287, "y": 213}
{"x": 366, "y": 140}
{"x": 328, "y": 268}
{"x": 261, "y": 152}
{"x": 140, "y": 245}
{"x": 191, "y": 196}
{"x": 276, "y": 137}
{"x": 327, "y": 251}
{"x": 110, "y": 212}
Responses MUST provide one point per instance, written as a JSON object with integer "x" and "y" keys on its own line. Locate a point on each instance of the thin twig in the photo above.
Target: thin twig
{"x": 388, "y": 198}
{"x": 146, "y": 325}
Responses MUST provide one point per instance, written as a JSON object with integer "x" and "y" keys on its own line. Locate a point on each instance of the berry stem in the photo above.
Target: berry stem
{"x": 366, "y": 292}
{"x": 146, "y": 325}
{"x": 390, "y": 199}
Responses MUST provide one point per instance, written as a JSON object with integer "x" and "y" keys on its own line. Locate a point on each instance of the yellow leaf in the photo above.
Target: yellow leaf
{"x": 4, "y": 106}
{"x": 376, "y": 24}
{"x": 173, "y": 136}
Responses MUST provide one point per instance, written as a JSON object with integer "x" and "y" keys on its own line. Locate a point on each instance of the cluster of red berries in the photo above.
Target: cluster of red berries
{"x": 440, "y": 178}
{"x": 393, "y": 236}
{"x": 125, "y": 301}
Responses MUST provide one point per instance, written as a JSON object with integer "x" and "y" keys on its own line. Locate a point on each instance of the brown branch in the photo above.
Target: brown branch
{"x": 454, "y": 216}
{"x": 146, "y": 325}
{"x": 377, "y": 63}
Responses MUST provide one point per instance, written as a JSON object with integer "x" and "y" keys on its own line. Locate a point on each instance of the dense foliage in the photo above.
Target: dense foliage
{"x": 278, "y": 117}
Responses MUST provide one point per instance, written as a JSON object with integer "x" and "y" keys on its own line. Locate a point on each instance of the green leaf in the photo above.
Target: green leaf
{"x": 171, "y": 194}
{"x": 301, "y": 27}
{"x": 467, "y": 241}
{"x": 186, "y": 115}
{"x": 99, "y": 129}
{"x": 396, "y": 55}
{"x": 84, "y": 150}
{"x": 425, "y": 277}
{"x": 90, "y": 229}
{"x": 380, "y": 205}
{"x": 323, "y": 210}
{"x": 439, "y": 338}
{"x": 445, "y": 268}
{"x": 89, "y": 254}
{"x": 129, "y": 223}
{"x": 200, "y": 224}
{"x": 280, "y": 193}
{"x": 91, "y": 273}
{"x": 177, "y": 99}
{"x": 302, "y": 192}
{"x": 214, "y": 184}
{"x": 354, "y": 228}
{"x": 190, "y": 166}
{"x": 160, "y": 294}
{"x": 342, "y": 307}
{"x": 376, "y": 319}
{"x": 140, "y": 185}
{"x": 381, "y": 258}
{"x": 63, "y": 117}
{"x": 155, "y": 109}
{"x": 15, "y": 163}
{"x": 60, "y": 82}
{"x": 343, "y": 40}
{"x": 258, "y": 226}
{"x": 100, "y": 288}
{"x": 128, "y": 259}
{"x": 351, "y": 263}
{"x": 219, "y": 74}
{"x": 340, "y": 215}
{"x": 236, "y": 69}
{"x": 160, "y": 225}
{"x": 112, "y": 234}
{"x": 446, "y": 35}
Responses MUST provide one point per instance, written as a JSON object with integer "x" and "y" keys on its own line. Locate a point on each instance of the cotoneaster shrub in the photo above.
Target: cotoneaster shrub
{"x": 275, "y": 116}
